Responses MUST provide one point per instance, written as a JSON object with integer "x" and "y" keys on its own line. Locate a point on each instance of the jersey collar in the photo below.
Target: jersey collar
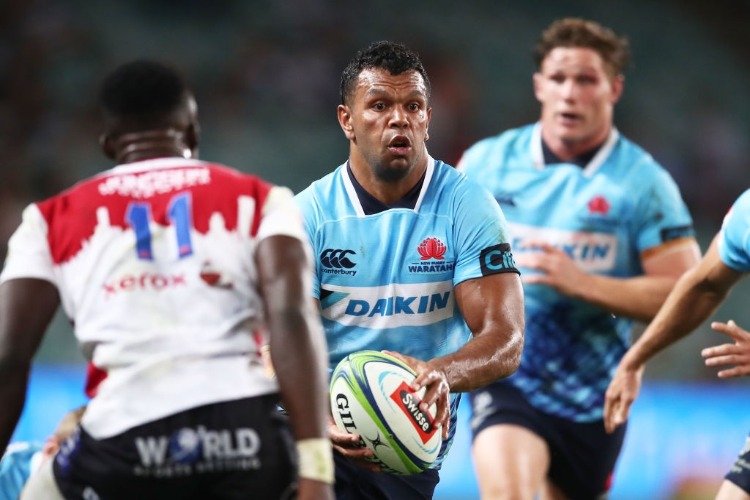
{"x": 591, "y": 167}
{"x": 365, "y": 204}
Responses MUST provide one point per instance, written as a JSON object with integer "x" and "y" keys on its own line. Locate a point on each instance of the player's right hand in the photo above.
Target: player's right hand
{"x": 350, "y": 446}
{"x": 622, "y": 391}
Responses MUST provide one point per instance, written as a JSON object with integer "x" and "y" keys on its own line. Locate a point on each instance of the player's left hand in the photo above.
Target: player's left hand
{"x": 622, "y": 391}
{"x": 555, "y": 268}
{"x": 438, "y": 389}
{"x": 737, "y": 354}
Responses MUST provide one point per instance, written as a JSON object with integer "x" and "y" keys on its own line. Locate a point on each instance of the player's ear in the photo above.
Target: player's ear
{"x": 106, "y": 143}
{"x": 344, "y": 114}
{"x": 192, "y": 136}
{"x": 537, "y": 79}
{"x": 618, "y": 83}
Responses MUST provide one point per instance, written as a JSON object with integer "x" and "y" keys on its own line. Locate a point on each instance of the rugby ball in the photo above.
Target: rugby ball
{"x": 371, "y": 397}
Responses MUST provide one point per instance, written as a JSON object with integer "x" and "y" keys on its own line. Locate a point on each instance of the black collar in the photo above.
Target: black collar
{"x": 581, "y": 160}
{"x": 372, "y": 205}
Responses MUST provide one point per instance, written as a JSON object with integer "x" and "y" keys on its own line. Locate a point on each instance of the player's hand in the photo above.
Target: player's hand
{"x": 622, "y": 391}
{"x": 438, "y": 389}
{"x": 350, "y": 446}
{"x": 555, "y": 268}
{"x": 737, "y": 354}
{"x": 310, "y": 489}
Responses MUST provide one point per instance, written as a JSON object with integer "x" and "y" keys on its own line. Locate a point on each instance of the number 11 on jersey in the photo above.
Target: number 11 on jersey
{"x": 139, "y": 216}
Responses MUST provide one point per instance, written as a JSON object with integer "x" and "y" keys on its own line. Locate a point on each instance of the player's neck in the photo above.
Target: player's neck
{"x": 138, "y": 146}
{"x": 569, "y": 150}
{"x": 386, "y": 191}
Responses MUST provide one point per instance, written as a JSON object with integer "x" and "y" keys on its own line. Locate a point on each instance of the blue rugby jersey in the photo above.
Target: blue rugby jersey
{"x": 16, "y": 465}
{"x": 734, "y": 237}
{"x": 386, "y": 280}
{"x": 604, "y": 215}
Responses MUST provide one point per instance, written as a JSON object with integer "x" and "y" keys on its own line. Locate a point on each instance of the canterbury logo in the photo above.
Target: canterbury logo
{"x": 432, "y": 248}
{"x": 337, "y": 259}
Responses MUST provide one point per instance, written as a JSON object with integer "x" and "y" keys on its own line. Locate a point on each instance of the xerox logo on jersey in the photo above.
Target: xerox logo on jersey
{"x": 146, "y": 281}
{"x": 431, "y": 257}
{"x": 338, "y": 261}
{"x": 409, "y": 403}
{"x": 188, "y": 451}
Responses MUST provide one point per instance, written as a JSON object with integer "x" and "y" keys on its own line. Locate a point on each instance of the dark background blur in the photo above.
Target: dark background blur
{"x": 266, "y": 76}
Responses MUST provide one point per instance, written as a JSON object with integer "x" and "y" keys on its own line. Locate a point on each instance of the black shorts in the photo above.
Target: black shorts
{"x": 356, "y": 483}
{"x": 231, "y": 450}
{"x": 739, "y": 474}
{"x": 582, "y": 455}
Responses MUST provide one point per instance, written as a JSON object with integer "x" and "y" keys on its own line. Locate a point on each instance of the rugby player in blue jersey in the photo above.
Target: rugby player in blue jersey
{"x": 600, "y": 233}
{"x": 695, "y": 297}
{"x": 411, "y": 257}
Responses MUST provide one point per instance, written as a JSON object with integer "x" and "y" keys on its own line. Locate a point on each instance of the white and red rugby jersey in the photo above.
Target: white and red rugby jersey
{"x": 154, "y": 264}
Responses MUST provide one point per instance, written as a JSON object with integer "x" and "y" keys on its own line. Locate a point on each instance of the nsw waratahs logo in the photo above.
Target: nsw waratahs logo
{"x": 432, "y": 248}
{"x": 431, "y": 257}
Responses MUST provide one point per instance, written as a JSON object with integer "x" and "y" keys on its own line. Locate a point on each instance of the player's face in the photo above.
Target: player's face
{"x": 386, "y": 122}
{"x": 578, "y": 95}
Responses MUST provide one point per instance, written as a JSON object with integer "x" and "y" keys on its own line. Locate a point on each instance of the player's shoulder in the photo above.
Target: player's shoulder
{"x": 630, "y": 156}
{"x": 496, "y": 151}
{"x": 327, "y": 188}
{"x": 455, "y": 186}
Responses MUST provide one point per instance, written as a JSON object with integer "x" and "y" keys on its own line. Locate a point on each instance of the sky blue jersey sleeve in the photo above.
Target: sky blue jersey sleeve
{"x": 663, "y": 215}
{"x": 307, "y": 205}
{"x": 481, "y": 234}
{"x": 15, "y": 468}
{"x": 734, "y": 244}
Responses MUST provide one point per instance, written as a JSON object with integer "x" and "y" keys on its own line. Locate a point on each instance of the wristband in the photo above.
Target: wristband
{"x": 316, "y": 459}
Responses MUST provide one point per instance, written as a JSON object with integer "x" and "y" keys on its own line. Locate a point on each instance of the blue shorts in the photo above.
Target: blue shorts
{"x": 739, "y": 474}
{"x": 582, "y": 454}
{"x": 230, "y": 450}
{"x": 356, "y": 483}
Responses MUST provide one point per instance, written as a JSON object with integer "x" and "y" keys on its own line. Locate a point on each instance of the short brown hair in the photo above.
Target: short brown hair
{"x": 576, "y": 32}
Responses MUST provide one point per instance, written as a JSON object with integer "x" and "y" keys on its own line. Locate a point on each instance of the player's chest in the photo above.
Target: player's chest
{"x": 372, "y": 251}
{"x": 565, "y": 198}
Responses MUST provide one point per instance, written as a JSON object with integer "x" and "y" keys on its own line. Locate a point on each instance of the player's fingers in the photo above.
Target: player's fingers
{"x": 718, "y": 350}
{"x": 730, "y": 329}
{"x": 537, "y": 278}
{"x": 540, "y": 245}
{"x": 736, "y": 371}
{"x": 727, "y": 359}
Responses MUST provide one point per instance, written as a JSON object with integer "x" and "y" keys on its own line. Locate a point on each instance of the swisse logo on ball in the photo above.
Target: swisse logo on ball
{"x": 409, "y": 404}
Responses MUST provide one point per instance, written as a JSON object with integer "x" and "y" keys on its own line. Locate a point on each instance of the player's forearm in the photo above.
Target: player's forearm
{"x": 14, "y": 378}
{"x": 299, "y": 358}
{"x": 691, "y": 303}
{"x": 638, "y": 298}
{"x": 482, "y": 361}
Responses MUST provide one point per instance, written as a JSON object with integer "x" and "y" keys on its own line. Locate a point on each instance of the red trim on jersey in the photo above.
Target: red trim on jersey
{"x": 71, "y": 216}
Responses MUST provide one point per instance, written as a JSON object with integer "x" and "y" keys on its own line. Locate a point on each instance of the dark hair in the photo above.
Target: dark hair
{"x": 394, "y": 57}
{"x": 577, "y": 32}
{"x": 142, "y": 89}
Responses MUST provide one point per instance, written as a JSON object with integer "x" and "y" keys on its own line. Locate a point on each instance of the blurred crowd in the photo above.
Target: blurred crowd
{"x": 266, "y": 75}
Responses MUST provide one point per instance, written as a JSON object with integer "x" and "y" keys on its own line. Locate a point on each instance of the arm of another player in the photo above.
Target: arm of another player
{"x": 298, "y": 353}
{"x": 695, "y": 296}
{"x": 492, "y": 307}
{"x": 26, "y": 309}
{"x": 638, "y": 297}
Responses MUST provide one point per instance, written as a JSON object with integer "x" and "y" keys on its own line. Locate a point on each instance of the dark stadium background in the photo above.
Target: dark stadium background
{"x": 266, "y": 77}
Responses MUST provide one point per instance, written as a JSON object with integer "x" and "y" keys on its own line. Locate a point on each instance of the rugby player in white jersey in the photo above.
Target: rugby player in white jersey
{"x": 170, "y": 269}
